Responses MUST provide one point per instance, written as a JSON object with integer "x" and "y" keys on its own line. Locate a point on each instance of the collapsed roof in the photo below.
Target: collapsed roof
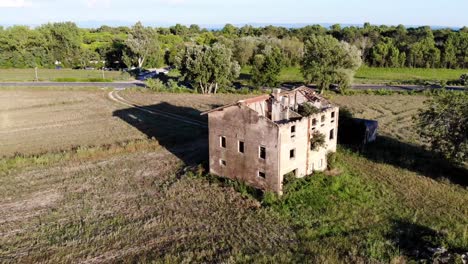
{"x": 281, "y": 106}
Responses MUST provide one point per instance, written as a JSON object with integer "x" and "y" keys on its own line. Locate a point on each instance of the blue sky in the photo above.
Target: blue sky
{"x": 390, "y": 12}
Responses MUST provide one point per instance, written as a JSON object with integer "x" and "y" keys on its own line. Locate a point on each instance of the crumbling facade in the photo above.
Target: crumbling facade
{"x": 261, "y": 139}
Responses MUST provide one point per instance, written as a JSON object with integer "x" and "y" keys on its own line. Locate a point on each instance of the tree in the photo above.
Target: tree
{"x": 460, "y": 41}
{"x": 266, "y": 67}
{"x": 229, "y": 30}
{"x": 206, "y": 68}
{"x": 328, "y": 61}
{"x": 179, "y": 30}
{"x": 449, "y": 59}
{"x": 424, "y": 53}
{"x": 292, "y": 49}
{"x": 444, "y": 125}
{"x": 141, "y": 43}
{"x": 63, "y": 42}
{"x": 86, "y": 56}
{"x": 385, "y": 54}
{"x": 244, "y": 49}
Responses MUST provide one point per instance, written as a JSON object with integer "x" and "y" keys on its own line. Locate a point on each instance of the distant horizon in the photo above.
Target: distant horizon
{"x": 93, "y": 13}
{"x": 216, "y": 26}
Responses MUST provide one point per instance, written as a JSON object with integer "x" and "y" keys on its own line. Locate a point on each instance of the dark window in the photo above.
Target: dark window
{"x": 333, "y": 115}
{"x": 261, "y": 174}
{"x": 323, "y": 119}
{"x": 222, "y": 162}
{"x": 332, "y": 134}
{"x": 223, "y": 142}
{"x": 314, "y": 121}
{"x": 262, "y": 153}
{"x": 293, "y": 129}
{"x": 241, "y": 147}
{"x": 292, "y": 153}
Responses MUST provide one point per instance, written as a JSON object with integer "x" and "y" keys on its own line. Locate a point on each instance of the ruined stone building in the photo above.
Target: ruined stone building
{"x": 261, "y": 139}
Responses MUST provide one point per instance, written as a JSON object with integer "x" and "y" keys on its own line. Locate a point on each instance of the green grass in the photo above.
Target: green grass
{"x": 288, "y": 74}
{"x": 406, "y": 75}
{"x": 28, "y": 75}
{"x": 370, "y": 75}
{"x": 68, "y": 79}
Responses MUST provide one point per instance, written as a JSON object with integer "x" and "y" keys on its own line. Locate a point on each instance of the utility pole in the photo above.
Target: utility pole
{"x": 35, "y": 71}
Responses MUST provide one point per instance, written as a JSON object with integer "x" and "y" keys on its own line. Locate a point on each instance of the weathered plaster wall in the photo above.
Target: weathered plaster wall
{"x": 240, "y": 123}
{"x": 299, "y": 143}
{"x": 317, "y": 159}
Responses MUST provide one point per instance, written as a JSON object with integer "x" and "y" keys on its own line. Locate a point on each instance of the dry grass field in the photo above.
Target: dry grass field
{"x": 118, "y": 184}
{"x": 395, "y": 113}
{"x": 36, "y": 121}
{"x": 28, "y": 75}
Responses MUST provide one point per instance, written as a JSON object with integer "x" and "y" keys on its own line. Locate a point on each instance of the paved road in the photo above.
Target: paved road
{"x": 123, "y": 85}
{"x": 116, "y": 85}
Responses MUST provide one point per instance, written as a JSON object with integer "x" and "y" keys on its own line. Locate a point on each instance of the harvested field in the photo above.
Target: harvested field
{"x": 141, "y": 202}
{"x": 394, "y": 112}
{"x": 39, "y": 121}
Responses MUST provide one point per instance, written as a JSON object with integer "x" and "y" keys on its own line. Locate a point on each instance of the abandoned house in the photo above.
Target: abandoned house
{"x": 261, "y": 139}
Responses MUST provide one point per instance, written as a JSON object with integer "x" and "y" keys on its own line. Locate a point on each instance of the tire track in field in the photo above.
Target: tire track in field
{"x": 114, "y": 96}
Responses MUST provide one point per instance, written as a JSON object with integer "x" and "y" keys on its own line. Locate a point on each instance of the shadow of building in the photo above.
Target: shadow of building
{"x": 181, "y": 130}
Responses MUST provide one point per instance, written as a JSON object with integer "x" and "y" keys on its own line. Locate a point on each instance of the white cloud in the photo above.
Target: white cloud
{"x": 14, "y": 3}
{"x": 97, "y": 3}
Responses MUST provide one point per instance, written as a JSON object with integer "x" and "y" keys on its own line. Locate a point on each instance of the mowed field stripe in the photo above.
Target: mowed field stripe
{"x": 114, "y": 96}
{"x": 62, "y": 124}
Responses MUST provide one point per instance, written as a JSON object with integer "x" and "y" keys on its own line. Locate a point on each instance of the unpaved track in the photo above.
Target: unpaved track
{"x": 114, "y": 96}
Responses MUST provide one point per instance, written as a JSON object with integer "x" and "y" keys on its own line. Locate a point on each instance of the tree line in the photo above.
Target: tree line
{"x": 380, "y": 46}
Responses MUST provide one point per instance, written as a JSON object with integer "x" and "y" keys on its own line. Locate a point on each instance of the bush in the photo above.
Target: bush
{"x": 317, "y": 141}
{"x": 269, "y": 198}
{"x": 464, "y": 79}
{"x": 331, "y": 160}
{"x": 125, "y": 76}
{"x": 155, "y": 85}
{"x": 308, "y": 109}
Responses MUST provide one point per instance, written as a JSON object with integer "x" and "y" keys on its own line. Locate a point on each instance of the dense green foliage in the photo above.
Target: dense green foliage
{"x": 317, "y": 141}
{"x": 327, "y": 61}
{"x": 444, "y": 124}
{"x": 266, "y": 67}
{"x": 381, "y": 46}
{"x": 141, "y": 44}
{"x": 206, "y": 68}
{"x": 464, "y": 79}
{"x": 308, "y": 109}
